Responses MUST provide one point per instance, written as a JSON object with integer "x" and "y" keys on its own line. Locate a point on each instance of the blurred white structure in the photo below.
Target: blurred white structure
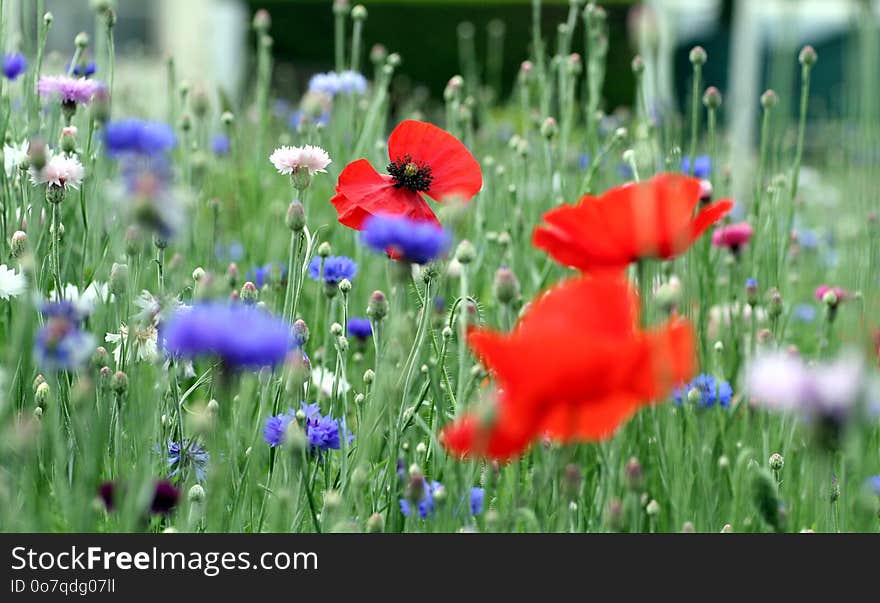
{"x": 207, "y": 39}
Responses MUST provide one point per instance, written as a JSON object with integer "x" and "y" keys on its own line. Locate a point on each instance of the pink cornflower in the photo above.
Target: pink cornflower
{"x": 840, "y": 294}
{"x": 733, "y": 236}
{"x": 289, "y": 159}
{"x": 62, "y": 171}
{"x": 69, "y": 90}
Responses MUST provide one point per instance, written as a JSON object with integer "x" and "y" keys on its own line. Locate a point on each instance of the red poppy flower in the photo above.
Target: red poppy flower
{"x": 640, "y": 220}
{"x": 574, "y": 368}
{"x": 424, "y": 159}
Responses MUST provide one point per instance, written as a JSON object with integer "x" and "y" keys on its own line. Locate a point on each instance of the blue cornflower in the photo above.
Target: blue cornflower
{"x": 139, "y": 137}
{"x": 84, "y": 68}
{"x": 187, "y": 455}
{"x": 60, "y": 344}
{"x": 807, "y": 239}
{"x": 276, "y": 428}
{"x": 712, "y": 391}
{"x": 231, "y": 252}
{"x": 240, "y": 335}
{"x": 477, "y": 496}
{"x": 405, "y": 239}
{"x": 804, "y": 312}
{"x": 262, "y": 275}
{"x": 702, "y": 166}
{"x": 332, "y": 83}
{"x": 425, "y": 506}
{"x": 874, "y": 484}
{"x": 14, "y": 65}
{"x": 220, "y": 144}
{"x": 336, "y": 268}
{"x": 299, "y": 118}
{"x": 323, "y": 432}
{"x": 584, "y": 161}
{"x": 360, "y": 327}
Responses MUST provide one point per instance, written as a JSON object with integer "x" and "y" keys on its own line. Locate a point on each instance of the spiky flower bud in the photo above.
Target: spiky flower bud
{"x": 369, "y": 376}
{"x": 100, "y": 357}
{"x": 465, "y": 253}
{"x": 776, "y": 462}
{"x": 41, "y": 395}
{"x": 300, "y": 332}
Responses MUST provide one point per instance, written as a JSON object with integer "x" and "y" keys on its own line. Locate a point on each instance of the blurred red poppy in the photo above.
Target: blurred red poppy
{"x": 424, "y": 159}
{"x": 653, "y": 219}
{"x": 575, "y": 367}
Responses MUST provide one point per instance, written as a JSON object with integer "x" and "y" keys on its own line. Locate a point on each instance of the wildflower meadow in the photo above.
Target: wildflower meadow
{"x": 501, "y": 309}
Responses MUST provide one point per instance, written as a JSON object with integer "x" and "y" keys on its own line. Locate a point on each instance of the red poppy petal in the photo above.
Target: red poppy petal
{"x": 591, "y": 420}
{"x": 362, "y": 192}
{"x": 454, "y": 169}
{"x": 469, "y": 436}
{"x": 670, "y": 359}
{"x": 709, "y": 216}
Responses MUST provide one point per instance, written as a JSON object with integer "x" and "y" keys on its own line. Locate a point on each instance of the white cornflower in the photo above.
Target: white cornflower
{"x": 13, "y": 156}
{"x": 324, "y": 380}
{"x": 287, "y": 159}
{"x": 144, "y": 344}
{"x": 12, "y": 283}
{"x": 61, "y": 171}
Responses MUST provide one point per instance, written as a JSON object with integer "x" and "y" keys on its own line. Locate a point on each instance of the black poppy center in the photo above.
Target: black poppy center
{"x": 415, "y": 176}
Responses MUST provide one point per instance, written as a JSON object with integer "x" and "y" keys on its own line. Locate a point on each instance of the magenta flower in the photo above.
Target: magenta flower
{"x": 839, "y": 293}
{"x": 733, "y": 236}
{"x": 69, "y": 90}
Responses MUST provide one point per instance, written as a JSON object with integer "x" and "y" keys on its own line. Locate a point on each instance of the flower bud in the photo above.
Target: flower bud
{"x": 549, "y": 128}
{"x": 377, "y": 307}
{"x": 638, "y": 65}
{"x": 300, "y": 332}
{"x": 41, "y": 395}
{"x": 336, "y": 329}
{"x": 751, "y": 292}
{"x": 37, "y": 154}
{"x": 652, "y": 508}
{"x": 345, "y": 286}
{"x": 776, "y": 462}
{"x": 698, "y": 56}
{"x": 18, "y": 244}
{"x": 324, "y": 250}
{"x": 118, "y": 278}
{"x": 712, "y": 98}
{"x": 769, "y": 99}
{"x": 506, "y": 286}
{"x": 465, "y": 252}
{"x": 766, "y": 499}
{"x": 375, "y": 524}
{"x": 359, "y": 12}
{"x": 808, "y": 56}
{"x": 81, "y": 40}
{"x": 68, "y": 139}
{"x": 634, "y": 475}
{"x": 296, "y": 216}
{"x": 119, "y": 383}
{"x": 774, "y": 303}
{"x": 100, "y": 357}
{"x": 249, "y": 293}
{"x": 262, "y": 21}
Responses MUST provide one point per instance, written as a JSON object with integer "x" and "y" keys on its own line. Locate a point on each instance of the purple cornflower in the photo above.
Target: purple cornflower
{"x": 702, "y": 166}
{"x": 220, "y": 144}
{"x": 335, "y": 268}
{"x": 405, "y": 239}
{"x": 425, "y": 506}
{"x": 323, "y": 432}
{"x": 69, "y": 90}
{"x": 241, "y": 336}
{"x": 298, "y": 119}
{"x": 360, "y": 328}
{"x": 60, "y": 344}
{"x": 139, "y": 137}
{"x": 187, "y": 455}
{"x": 275, "y": 428}
{"x": 165, "y": 498}
{"x": 14, "y": 64}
